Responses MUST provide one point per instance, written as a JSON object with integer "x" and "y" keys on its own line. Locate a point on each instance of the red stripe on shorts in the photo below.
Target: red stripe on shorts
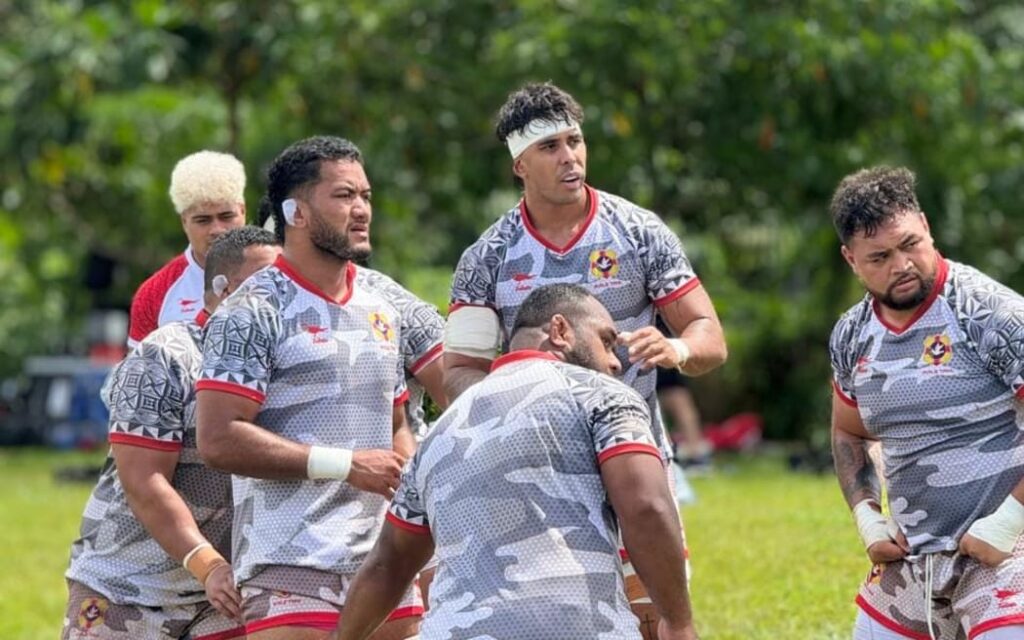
{"x": 322, "y": 620}
{"x": 889, "y": 624}
{"x": 995, "y": 623}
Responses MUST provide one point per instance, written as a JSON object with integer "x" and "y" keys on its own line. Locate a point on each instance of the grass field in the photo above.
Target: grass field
{"x": 775, "y": 555}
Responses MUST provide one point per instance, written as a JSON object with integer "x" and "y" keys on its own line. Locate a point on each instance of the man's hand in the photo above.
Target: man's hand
{"x": 889, "y": 550}
{"x": 670, "y": 632}
{"x": 376, "y": 470}
{"x": 982, "y": 551}
{"x": 222, "y": 593}
{"x": 650, "y": 348}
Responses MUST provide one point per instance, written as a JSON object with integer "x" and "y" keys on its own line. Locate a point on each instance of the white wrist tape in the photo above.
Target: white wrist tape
{"x": 535, "y": 131}
{"x": 191, "y": 554}
{"x": 873, "y": 525}
{"x": 473, "y": 331}
{"x": 328, "y": 462}
{"x": 1002, "y": 528}
{"x": 682, "y": 350}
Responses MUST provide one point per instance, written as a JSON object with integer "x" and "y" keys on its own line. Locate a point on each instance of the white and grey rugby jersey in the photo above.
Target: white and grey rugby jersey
{"x": 325, "y": 372}
{"x": 152, "y": 404}
{"x": 422, "y": 330}
{"x": 624, "y": 255}
{"x": 942, "y": 395}
{"x": 509, "y": 486}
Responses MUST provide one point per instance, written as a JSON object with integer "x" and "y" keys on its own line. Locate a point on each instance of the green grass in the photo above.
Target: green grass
{"x": 775, "y": 555}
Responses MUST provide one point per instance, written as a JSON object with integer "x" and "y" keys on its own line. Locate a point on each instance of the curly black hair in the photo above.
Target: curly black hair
{"x": 870, "y": 198}
{"x": 227, "y": 253}
{"x": 298, "y": 167}
{"x": 569, "y": 300}
{"x": 535, "y": 101}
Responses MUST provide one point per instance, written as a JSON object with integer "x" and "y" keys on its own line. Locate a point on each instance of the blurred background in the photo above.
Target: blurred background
{"x": 734, "y": 120}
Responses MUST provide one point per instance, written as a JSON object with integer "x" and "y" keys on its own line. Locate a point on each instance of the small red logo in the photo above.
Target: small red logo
{"x": 862, "y": 364}
{"x": 1005, "y": 598}
{"x": 185, "y": 302}
{"x": 523, "y": 277}
{"x": 315, "y": 331}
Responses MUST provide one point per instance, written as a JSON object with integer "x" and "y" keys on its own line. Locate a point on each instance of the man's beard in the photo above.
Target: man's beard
{"x": 333, "y": 242}
{"x": 912, "y": 301}
{"x": 583, "y": 356}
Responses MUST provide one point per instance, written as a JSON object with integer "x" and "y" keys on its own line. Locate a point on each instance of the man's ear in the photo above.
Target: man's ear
{"x": 560, "y": 333}
{"x": 848, "y": 256}
{"x": 517, "y": 167}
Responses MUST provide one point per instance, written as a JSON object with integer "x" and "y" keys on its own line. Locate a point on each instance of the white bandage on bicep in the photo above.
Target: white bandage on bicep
{"x": 1002, "y": 528}
{"x": 473, "y": 332}
{"x": 535, "y": 131}
{"x": 873, "y": 525}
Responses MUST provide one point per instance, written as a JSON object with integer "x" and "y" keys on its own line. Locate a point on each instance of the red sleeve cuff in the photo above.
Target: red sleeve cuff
{"x": 434, "y": 353}
{"x": 687, "y": 287}
{"x": 458, "y": 305}
{"x": 402, "y": 398}
{"x": 629, "y": 447}
{"x": 232, "y": 388}
{"x": 407, "y": 526}
{"x": 842, "y": 396}
{"x": 143, "y": 442}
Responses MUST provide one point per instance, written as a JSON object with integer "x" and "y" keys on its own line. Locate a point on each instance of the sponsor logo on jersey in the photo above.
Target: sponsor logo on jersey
{"x": 185, "y": 302}
{"x": 1007, "y": 598}
{"x": 316, "y": 332}
{"x": 875, "y": 575}
{"x": 522, "y": 281}
{"x": 862, "y": 364}
{"x": 91, "y": 612}
{"x": 382, "y": 326}
{"x": 938, "y": 350}
{"x": 604, "y": 263}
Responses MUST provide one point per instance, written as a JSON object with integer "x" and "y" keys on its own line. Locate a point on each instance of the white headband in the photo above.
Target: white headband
{"x": 535, "y": 131}
{"x": 288, "y": 209}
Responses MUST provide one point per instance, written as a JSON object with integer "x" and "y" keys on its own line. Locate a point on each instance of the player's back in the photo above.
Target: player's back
{"x": 510, "y": 483}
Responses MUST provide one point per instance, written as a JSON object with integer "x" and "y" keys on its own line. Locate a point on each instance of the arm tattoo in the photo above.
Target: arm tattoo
{"x": 854, "y": 469}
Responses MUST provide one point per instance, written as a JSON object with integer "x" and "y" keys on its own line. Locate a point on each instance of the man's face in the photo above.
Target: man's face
{"x": 593, "y": 344}
{"x": 897, "y": 265}
{"x": 204, "y": 223}
{"x": 555, "y": 169}
{"x": 339, "y": 210}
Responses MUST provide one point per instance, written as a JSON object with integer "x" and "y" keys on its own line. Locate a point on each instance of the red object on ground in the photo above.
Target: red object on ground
{"x": 736, "y": 433}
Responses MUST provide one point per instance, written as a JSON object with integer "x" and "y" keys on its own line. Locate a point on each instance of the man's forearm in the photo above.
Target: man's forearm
{"x": 653, "y": 540}
{"x": 245, "y": 449}
{"x": 162, "y": 512}
{"x": 706, "y": 342}
{"x": 854, "y": 468}
{"x": 376, "y": 590}
{"x": 404, "y": 442}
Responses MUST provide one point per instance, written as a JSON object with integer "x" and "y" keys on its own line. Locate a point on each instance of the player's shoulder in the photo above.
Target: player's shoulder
{"x": 156, "y": 285}
{"x": 849, "y": 324}
{"x": 966, "y": 282}
{"x": 595, "y": 385}
{"x": 386, "y": 286}
{"x": 499, "y": 234}
{"x": 175, "y": 345}
{"x": 630, "y": 219}
{"x": 269, "y": 289}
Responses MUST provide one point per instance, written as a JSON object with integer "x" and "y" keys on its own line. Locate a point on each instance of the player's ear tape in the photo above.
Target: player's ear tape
{"x": 220, "y": 284}
{"x": 872, "y": 524}
{"x": 1002, "y": 528}
{"x": 288, "y": 208}
{"x": 202, "y": 560}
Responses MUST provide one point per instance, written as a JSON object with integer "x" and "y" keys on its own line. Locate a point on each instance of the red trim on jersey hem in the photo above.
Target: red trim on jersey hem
{"x": 995, "y": 623}
{"x": 842, "y": 396}
{"x": 232, "y": 388}
{"x": 940, "y": 282}
{"x": 591, "y": 214}
{"x": 522, "y": 354}
{"x": 686, "y": 288}
{"x": 406, "y": 612}
{"x": 406, "y": 525}
{"x": 889, "y": 624}
{"x": 1020, "y": 393}
{"x": 402, "y": 398}
{"x": 202, "y": 317}
{"x": 142, "y": 442}
{"x": 289, "y": 270}
{"x": 455, "y": 306}
{"x": 435, "y": 352}
{"x": 223, "y": 635}
{"x": 629, "y": 447}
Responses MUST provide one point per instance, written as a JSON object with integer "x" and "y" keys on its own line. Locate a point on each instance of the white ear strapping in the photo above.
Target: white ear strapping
{"x": 288, "y": 209}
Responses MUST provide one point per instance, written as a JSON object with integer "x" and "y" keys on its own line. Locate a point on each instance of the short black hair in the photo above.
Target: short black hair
{"x": 569, "y": 300}
{"x": 869, "y": 198}
{"x": 543, "y": 101}
{"x": 227, "y": 253}
{"x": 298, "y": 167}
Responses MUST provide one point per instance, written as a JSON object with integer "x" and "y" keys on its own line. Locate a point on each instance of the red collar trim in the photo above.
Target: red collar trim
{"x": 591, "y": 212}
{"x": 202, "y": 317}
{"x": 289, "y": 270}
{"x": 519, "y": 356}
{"x": 940, "y": 282}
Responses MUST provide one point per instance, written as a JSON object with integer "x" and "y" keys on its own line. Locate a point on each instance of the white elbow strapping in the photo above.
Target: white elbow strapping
{"x": 472, "y": 331}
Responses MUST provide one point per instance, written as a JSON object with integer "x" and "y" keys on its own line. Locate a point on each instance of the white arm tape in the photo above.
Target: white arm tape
{"x": 472, "y": 331}
{"x": 1002, "y": 528}
{"x": 682, "y": 351}
{"x": 328, "y": 462}
{"x": 873, "y": 525}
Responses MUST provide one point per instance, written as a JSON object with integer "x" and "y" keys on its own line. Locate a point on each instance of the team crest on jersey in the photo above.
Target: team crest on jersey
{"x": 938, "y": 350}
{"x": 604, "y": 263}
{"x": 91, "y": 612}
{"x": 382, "y": 326}
{"x": 875, "y": 575}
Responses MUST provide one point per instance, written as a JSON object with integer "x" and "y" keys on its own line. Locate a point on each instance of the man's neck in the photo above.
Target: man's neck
{"x": 557, "y": 223}
{"x": 327, "y": 273}
{"x": 200, "y": 259}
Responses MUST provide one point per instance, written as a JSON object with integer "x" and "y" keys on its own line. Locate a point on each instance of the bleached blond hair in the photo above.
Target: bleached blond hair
{"x": 207, "y": 176}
